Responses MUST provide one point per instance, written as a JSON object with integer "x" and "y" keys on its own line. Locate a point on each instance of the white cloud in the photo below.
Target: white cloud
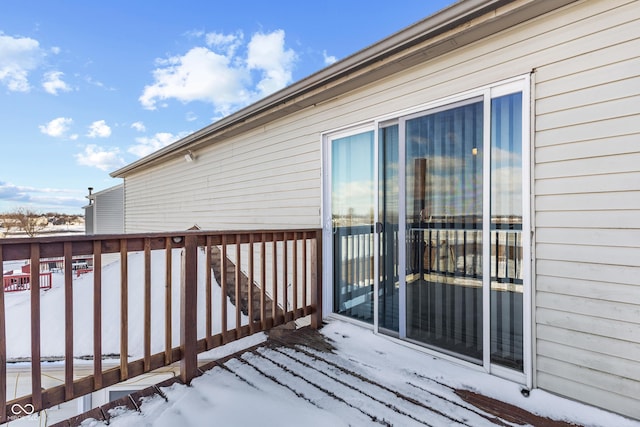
{"x": 219, "y": 74}
{"x": 268, "y": 54}
{"x": 101, "y": 158}
{"x": 139, "y": 126}
{"x": 229, "y": 43}
{"x": 99, "y": 129}
{"x": 55, "y": 50}
{"x": 147, "y": 145}
{"x": 57, "y": 127}
{"x": 18, "y": 56}
{"x": 40, "y": 196}
{"x": 199, "y": 75}
{"x": 328, "y": 59}
{"x": 53, "y": 82}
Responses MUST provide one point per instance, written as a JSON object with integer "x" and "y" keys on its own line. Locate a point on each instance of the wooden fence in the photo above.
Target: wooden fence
{"x": 283, "y": 266}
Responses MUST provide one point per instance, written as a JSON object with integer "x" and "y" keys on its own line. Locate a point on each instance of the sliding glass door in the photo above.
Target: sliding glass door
{"x": 427, "y": 221}
{"x": 352, "y": 222}
{"x": 444, "y": 188}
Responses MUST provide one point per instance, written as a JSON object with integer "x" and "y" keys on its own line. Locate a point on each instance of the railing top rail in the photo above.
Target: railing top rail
{"x": 53, "y": 246}
{"x": 92, "y": 237}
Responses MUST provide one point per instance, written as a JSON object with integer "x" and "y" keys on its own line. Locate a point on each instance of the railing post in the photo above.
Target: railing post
{"x": 168, "y": 316}
{"x": 36, "y": 380}
{"x": 188, "y": 313}
{"x": 316, "y": 280}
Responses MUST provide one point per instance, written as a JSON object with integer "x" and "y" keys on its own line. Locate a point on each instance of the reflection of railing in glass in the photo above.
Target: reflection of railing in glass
{"x": 458, "y": 252}
{"x": 353, "y": 271}
{"x": 507, "y": 293}
{"x": 450, "y": 251}
{"x": 506, "y": 259}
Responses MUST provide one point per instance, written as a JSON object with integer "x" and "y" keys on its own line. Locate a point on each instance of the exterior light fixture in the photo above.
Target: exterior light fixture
{"x": 189, "y": 157}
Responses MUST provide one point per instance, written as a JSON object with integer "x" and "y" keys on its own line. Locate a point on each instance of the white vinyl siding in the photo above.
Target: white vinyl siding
{"x": 587, "y": 204}
{"x": 108, "y": 215}
{"x": 585, "y": 62}
{"x": 230, "y": 186}
{"x": 88, "y": 219}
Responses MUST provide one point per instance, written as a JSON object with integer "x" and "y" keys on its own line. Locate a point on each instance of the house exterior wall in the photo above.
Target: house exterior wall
{"x": 108, "y": 214}
{"x": 585, "y": 188}
{"x": 88, "y": 219}
{"x": 587, "y": 213}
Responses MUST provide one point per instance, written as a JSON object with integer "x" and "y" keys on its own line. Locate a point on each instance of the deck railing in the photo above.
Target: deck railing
{"x": 22, "y": 282}
{"x": 270, "y": 277}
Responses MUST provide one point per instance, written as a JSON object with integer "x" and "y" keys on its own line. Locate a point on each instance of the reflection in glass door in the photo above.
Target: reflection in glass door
{"x": 444, "y": 182}
{"x": 388, "y": 218}
{"x": 507, "y": 288}
{"x": 352, "y": 217}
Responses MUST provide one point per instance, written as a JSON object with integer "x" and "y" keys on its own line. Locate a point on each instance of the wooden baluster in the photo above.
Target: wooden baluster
{"x": 97, "y": 314}
{"x": 124, "y": 311}
{"x": 274, "y": 279}
{"x": 285, "y": 277}
{"x": 147, "y": 304}
{"x": 223, "y": 288}
{"x": 68, "y": 321}
{"x": 250, "y": 285}
{"x": 263, "y": 282}
{"x": 294, "y": 282}
{"x": 208, "y": 295}
{"x": 305, "y": 282}
{"x": 238, "y": 285}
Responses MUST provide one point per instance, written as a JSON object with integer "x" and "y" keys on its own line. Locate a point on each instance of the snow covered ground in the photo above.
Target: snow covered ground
{"x": 17, "y": 309}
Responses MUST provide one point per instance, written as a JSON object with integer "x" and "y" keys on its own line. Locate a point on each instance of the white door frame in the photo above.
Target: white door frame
{"x": 521, "y": 84}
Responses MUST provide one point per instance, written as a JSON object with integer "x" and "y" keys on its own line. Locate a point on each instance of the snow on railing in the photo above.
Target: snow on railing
{"x": 157, "y": 298}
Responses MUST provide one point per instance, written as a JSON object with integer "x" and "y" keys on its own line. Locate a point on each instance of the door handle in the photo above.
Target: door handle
{"x": 379, "y": 227}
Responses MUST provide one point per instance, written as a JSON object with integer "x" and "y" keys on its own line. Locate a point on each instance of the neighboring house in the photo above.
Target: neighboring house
{"x": 493, "y": 149}
{"x": 105, "y": 212}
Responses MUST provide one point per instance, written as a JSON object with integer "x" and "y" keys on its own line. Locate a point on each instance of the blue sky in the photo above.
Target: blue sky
{"x": 87, "y": 87}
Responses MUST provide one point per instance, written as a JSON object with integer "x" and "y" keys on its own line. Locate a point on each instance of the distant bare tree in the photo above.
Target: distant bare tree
{"x": 6, "y": 225}
{"x": 28, "y": 221}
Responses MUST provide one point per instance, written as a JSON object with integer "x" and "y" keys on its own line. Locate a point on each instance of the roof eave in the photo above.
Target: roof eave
{"x": 452, "y": 17}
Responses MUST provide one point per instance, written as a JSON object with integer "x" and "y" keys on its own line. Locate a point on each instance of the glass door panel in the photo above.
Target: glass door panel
{"x": 388, "y": 217}
{"x": 444, "y": 229}
{"x": 506, "y": 232}
{"x": 352, "y": 215}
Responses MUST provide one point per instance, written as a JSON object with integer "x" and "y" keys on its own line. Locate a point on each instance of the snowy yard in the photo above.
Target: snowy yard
{"x": 17, "y": 307}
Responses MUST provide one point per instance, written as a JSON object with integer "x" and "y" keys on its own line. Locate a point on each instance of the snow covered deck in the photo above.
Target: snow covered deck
{"x": 342, "y": 375}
